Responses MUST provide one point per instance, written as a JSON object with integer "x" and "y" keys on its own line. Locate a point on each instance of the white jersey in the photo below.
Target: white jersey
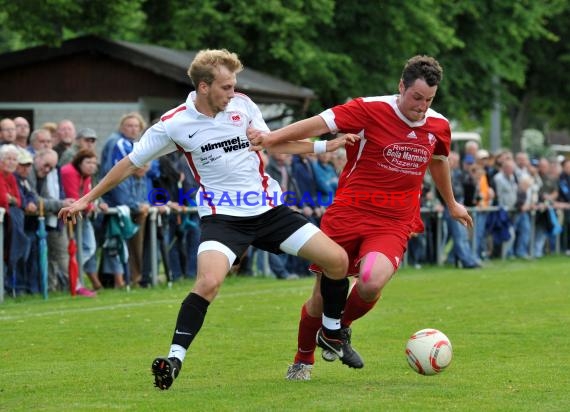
{"x": 231, "y": 178}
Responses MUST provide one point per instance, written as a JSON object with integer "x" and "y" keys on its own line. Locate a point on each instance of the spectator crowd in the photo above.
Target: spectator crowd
{"x": 521, "y": 208}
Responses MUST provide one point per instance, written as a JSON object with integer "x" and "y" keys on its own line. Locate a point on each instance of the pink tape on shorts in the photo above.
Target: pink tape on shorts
{"x": 367, "y": 266}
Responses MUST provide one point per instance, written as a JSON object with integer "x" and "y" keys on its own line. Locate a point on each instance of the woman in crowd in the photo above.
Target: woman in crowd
{"x": 76, "y": 181}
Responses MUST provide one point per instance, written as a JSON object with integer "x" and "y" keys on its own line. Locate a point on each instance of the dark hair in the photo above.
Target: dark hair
{"x": 80, "y": 155}
{"x": 422, "y": 67}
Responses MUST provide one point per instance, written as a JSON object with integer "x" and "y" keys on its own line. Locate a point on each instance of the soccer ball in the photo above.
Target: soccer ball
{"x": 428, "y": 351}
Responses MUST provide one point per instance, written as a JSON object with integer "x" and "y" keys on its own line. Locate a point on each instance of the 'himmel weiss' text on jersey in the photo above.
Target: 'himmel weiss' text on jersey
{"x": 231, "y": 178}
{"x": 384, "y": 172}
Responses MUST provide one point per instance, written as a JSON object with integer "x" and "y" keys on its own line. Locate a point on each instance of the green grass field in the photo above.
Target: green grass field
{"x": 509, "y": 325}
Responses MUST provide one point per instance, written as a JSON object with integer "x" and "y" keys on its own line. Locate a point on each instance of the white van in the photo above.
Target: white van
{"x": 465, "y": 136}
{"x": 458, "y": 140}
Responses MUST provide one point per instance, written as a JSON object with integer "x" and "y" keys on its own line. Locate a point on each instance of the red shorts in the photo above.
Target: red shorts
{"x": 360, "y": 234}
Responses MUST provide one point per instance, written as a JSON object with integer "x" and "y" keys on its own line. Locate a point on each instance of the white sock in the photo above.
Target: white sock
{"x": 177, "y": 351}
{"x": 330, "y": 323}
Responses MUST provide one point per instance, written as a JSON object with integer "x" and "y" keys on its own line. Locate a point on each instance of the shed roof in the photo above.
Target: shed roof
{"x": 170, "y": 63}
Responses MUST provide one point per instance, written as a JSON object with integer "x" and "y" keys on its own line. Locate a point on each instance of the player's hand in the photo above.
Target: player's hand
{"x": 258, "y": 139}
{"x": 347, "y": 139}
{"x": 71, "y": 212}
{"x": 459, "y": 213}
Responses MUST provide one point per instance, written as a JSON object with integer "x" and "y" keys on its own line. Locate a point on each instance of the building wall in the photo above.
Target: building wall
{"x": 102, "y": 117}
{"x": 85, "y": 77}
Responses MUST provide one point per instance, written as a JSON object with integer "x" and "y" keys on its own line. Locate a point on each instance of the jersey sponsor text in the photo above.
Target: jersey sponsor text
{"x": 228, "y": 145}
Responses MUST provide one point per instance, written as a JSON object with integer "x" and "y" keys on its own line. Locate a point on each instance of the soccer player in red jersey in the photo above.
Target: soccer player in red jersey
{"x": 376, "y": 207}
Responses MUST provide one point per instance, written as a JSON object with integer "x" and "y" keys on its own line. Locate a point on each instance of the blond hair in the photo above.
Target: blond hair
{"x": 50, "y": 127}
{"x": 132, "y": 115}
{"x": 206, "y": 61}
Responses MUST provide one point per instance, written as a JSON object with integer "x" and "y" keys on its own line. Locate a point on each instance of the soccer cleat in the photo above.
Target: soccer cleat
{"x": 165, "y": 370}
{"x": 329, "y": 355}
{"x": 341, "y": 348}
{"x": 299, "y": 372}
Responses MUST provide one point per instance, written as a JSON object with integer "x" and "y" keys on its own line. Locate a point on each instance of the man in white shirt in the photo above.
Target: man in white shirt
{"x": 238, "y": 203}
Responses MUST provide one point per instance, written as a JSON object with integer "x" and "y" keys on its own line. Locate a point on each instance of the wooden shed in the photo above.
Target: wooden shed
{"x": 94, "y": 81}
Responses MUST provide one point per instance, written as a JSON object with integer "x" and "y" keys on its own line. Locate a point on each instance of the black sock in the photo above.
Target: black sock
{"x": 334, "y": 293}
{"x": 190, "y": 319}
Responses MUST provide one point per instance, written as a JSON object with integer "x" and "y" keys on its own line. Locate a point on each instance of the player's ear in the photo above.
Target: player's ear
{"x": 202, "y": 88}
{"x": 401, "y": 87}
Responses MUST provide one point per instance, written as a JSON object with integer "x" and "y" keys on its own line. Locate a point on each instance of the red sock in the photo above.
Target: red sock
{"x": 306, "y": 340}
{"x": 355, "y": 308}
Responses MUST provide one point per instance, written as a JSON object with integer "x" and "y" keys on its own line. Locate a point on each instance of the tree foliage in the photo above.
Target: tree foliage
{"x": 28, "y": 23}
{"x": 495, "y": 33}
{"x": 277, "y": 37}
{"x": 545, "y": 95}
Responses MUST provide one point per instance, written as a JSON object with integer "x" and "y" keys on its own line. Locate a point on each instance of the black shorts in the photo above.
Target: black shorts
{"x": 266, "y": 231}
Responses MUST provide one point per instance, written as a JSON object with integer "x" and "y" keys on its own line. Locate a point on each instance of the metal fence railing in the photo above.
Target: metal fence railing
{"x": 154, "y": 218}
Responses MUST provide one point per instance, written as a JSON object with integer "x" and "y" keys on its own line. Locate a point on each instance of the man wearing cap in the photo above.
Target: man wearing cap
{"x": 86, "y": 139}
{"x": 29, "y": 269}
{"x": 29, "y": 198}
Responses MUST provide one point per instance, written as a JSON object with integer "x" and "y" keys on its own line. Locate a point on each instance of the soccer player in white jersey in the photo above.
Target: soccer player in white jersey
{"x": 376, "y": 207}
{"x": 239, "y": 205}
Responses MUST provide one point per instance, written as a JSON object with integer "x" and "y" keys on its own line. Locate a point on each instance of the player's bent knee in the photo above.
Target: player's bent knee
{"x": 341, "y": 264}
{"x": 326, "y": 254}
{"x": 370, "y": 288}
{"x": 334, "y": 263}
{"x": 376, "y": 271}
{"x": 375, "y": 283}
{"x": 207, "y": 286}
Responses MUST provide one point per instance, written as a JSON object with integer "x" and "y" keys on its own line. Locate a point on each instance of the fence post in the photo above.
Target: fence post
{"x": 474, "y": 211}
{"x": 153, "y": 246}
{"x": 439, "y": 239}
{"x": 557, "y": 240}
{"x": 2, "y": 212}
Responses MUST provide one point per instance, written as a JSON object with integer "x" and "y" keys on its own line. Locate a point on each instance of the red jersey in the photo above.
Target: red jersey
{"x": 384, "y": 172}
{"x": 9, "y": 186}
{"x": 74, "y": 185}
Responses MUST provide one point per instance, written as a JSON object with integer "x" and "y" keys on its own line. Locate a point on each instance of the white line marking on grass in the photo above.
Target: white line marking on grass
{"x": 71, "y": 310}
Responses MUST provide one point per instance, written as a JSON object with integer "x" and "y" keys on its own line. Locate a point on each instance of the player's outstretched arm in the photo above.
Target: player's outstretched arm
{"x": 303, "y": 129}
{"x": 123, "y": 169}
{"x": 342, "y": 140}
{"x": 320, "y": 146}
